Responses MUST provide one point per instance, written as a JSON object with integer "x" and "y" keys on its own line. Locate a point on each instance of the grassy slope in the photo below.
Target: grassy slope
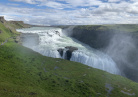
{"x": 118, "y": 27}
{"x": 124, "y": 27}
{"x": 5, "y": 33}
{"x": 25, "y": 73}
{"x": 8, "y": 30}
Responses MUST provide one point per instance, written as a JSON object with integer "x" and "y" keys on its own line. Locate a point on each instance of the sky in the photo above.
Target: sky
{"x": 71, "y": 12}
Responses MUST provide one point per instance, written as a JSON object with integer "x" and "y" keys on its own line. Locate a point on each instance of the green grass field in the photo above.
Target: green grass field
{"x": 115, "y": 27}
{"x": 27, "y": 73}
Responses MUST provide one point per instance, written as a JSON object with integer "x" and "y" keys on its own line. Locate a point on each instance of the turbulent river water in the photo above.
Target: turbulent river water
{"x": 51, "y": 39}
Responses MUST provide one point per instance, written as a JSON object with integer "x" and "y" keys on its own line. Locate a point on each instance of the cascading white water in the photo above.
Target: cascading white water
{"x": 51, "y": 39}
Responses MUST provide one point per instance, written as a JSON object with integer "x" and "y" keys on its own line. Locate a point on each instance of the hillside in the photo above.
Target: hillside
{"x": 25, "y": 73}
{"x": 8, "y": 29}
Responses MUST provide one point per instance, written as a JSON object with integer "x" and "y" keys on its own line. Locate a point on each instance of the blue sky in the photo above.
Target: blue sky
{"x": 71, "y": 12}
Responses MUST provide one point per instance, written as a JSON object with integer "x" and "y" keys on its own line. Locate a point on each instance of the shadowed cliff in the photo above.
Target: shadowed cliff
{"x": 118, "y": 41}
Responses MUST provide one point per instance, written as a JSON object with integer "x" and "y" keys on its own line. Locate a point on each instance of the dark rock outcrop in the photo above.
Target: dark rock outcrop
{"x": 60, "y": 51}
{"x": 57, "y": 33}
{"x": 2, "y": 20}
{"x": 69, "y": 50}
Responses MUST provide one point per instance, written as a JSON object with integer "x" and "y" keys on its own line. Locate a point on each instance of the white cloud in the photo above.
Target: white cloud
{"x": 26, "y": 1}
{"x": 53, "y": 3}
{"x": 105, "y": 13}
{"x": 115, "y": 0}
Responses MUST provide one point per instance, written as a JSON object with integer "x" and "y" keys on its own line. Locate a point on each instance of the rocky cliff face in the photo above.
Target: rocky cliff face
{"x": 2, "y": 20}
{"x": 14, "y": 24}
{"x": 120, "y": 43}
{"x": 8, "y": 29}
{"x": 19, "y": 24}
{"x": 93, "y": 36}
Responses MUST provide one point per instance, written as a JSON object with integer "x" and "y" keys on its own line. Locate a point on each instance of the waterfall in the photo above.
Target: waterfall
{"x": 52, "y": 39}
{"x": 98, "y": 60}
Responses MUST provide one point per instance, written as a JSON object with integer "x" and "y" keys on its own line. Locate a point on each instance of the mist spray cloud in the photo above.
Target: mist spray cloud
{"x": 123, "y": 50}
